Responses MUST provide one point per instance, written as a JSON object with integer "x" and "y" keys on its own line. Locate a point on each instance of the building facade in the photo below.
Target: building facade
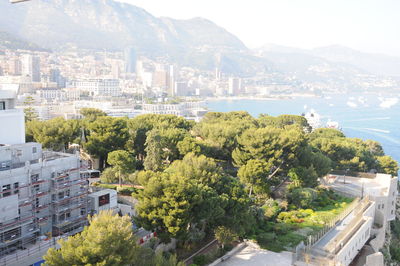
{"x": 42, "y": 193}
{"x": 98, "y": 87}
{"x": 365, "y": 222}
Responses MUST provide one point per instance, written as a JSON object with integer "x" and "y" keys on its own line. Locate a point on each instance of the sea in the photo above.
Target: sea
{"x": 366, "y": 116}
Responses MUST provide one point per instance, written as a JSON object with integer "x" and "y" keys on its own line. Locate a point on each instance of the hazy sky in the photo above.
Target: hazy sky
{"x": 367, "y": 25}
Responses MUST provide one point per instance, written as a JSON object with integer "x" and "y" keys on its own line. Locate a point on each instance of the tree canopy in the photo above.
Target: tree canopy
{"x": 109, "y": 240}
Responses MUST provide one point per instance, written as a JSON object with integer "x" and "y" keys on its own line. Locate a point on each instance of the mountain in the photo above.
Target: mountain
{"x": 305, "y": 65}
{"x": 9, "y": 41}
{"x": 377, "y": 64}
{"x": 334, "y": 56}
{"x": 107, "y": 24}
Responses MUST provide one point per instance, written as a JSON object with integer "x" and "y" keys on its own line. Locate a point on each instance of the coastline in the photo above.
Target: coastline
{"x": 258, "y": 98}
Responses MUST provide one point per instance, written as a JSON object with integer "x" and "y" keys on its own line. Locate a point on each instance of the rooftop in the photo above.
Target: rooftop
{"x": 378, "y": 186}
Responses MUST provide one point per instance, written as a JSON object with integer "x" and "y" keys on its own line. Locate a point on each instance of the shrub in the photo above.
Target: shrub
{"x": 200, "y": 260}
{"x": 271, "y": 209}
{"x": 302, "y": 197}
{"x": 127, "y": 191}
{"x": 266, "y": 238}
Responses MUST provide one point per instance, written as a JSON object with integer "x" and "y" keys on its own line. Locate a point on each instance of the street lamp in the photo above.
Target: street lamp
{"x": 362, "y": 189}
{"x": 344, "y": 177}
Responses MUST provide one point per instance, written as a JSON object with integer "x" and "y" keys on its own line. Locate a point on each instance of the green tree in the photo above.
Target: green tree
{"x": 141, "y": 125}
{"x": 54, "y": 134}
{"x": 219, "y": 130}
{"x": 187, "y": 145}
{"x": 109, "y": 240}
{"x": 109, "y": 175}
{"x": 107, "y": 134}
{"x": 387, "y": 165}
{"x": 162, "y": 147}
{"x": 302, "y": 197}
{"x": 254, "y": 174}
{"x": 123, "y": 162}
{"x": 30, "y": 113}
{"x": 200, "y": 168}
{"x": 304, "y": 177}
{"x": 224, "y": 236}
{"x": 91, "y": 114}
{"x": 167, "y": 205}
{"x": 280, "y": 148}
{"x": 284, "y": 120}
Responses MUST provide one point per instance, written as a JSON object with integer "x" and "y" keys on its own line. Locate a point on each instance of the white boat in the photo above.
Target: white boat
{"x": 313, "y": 119}
{"x": 333, "y": 124}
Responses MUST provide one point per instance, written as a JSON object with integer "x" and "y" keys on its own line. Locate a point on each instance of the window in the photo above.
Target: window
{"x": 2, "y": 105}
{"x": 36, "y": 188}
{"x": 383, "y": 206}
{"x": 6, "y": 190}
{"x": 104, "y": 199}
{"x": 34, "y": 178}
{"x": 60, "y": 195}
{"x": 16, "y": 185}
{"x": 34, "y": 149}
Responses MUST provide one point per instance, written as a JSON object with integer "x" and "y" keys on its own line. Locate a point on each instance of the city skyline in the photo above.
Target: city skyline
{"x": 368, "y": 26}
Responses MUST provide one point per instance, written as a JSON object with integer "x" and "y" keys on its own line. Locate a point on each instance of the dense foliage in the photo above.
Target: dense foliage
{"x": 218, "y": 176}
{"x": 109, "y": 240}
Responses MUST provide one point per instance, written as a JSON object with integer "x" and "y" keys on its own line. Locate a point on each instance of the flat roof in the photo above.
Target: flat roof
{"x": 103, "y": 191}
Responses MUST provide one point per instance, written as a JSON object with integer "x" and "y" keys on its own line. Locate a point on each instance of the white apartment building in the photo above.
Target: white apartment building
{"x": 98, "y": 87}
{"x": 51, "y": 94}
{"x": 12, "y": 130}
{"x": 30, "y": 66}
{"x": 234, "y": 86}
{"x": 185, "y": 109}
{"x": 367, "y": 221}
{"x": 41, "y": 192}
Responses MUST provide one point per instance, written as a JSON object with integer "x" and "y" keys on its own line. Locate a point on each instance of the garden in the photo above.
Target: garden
{"x": 305, "y": 213}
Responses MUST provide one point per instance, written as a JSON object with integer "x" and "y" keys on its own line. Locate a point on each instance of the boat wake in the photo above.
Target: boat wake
{"x": 376, "y": 133}
{"x": 369, "y": 129}
{"x": 369, "y": 119}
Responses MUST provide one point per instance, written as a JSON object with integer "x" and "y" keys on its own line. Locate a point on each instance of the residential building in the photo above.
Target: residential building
{"x": 14, "y": 132}
{"x": 98, "y": 87}
{"x": 41, "y": 192}
{"x": 190, "y": 110}
{"x": 364, "y": 222}
{"x": 30, "y": 66}
{"x": 234, "y": 86}
{"x": 130, "y": 60}
{"x": 171, "y": 78}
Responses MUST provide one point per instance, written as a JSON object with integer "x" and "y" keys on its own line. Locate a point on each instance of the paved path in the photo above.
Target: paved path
{"x": 254, "y": 256}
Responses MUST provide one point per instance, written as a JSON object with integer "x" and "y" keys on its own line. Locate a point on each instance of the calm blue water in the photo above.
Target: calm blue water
{"x": 358, "y": 117}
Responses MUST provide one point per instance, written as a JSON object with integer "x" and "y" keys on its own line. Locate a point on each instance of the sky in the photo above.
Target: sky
{"x": 366, "y": 25}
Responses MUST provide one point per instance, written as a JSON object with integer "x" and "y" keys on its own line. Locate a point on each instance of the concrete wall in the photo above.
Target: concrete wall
{"x": 358, "y": 240}
{"x": 12, "y": 128}
{"x": 375, "y": 259}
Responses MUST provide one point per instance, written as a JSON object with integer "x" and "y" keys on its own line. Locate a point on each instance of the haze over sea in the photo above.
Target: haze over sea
{"x": 369, "y": 116}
